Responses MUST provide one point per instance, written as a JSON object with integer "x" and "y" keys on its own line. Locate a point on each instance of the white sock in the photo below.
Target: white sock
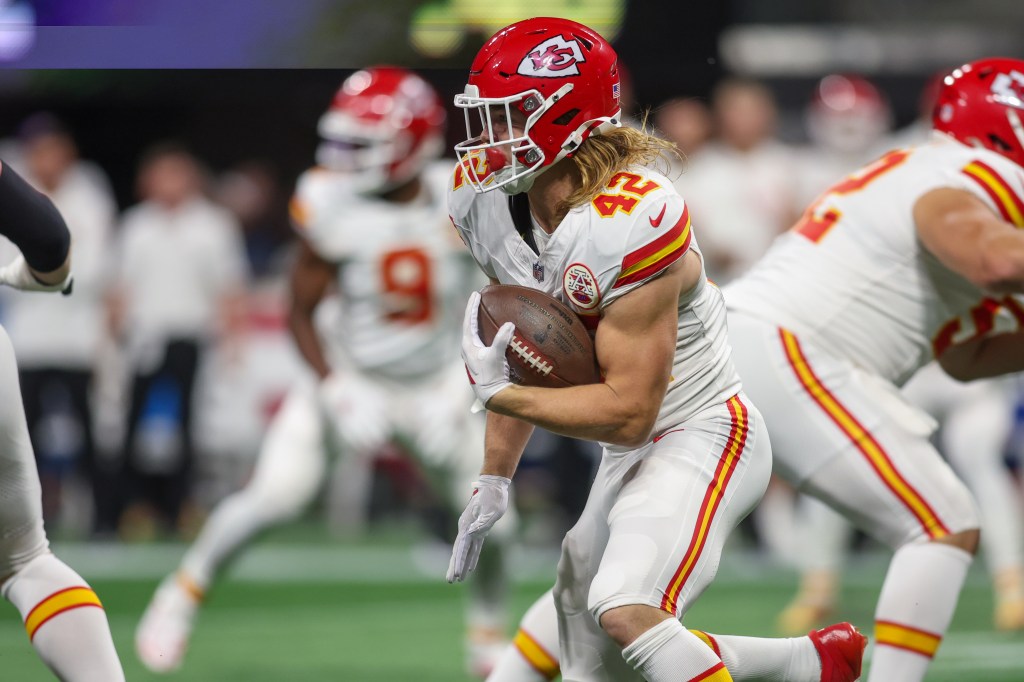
{"x": 231, "y": 526}
{"x": 765, "y": 659}
{"x": 668, "y": 652}
{"x": 64, "y": 621}
{"x": 533, "y": 654}
{"x": 915, "y": 608}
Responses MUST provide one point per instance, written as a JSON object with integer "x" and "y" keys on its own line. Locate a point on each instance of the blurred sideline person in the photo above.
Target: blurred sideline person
{"x": 911, "y": 258}
{"x": 742, "y": 182}
{"x": 57, "y": 339}
{"x": 686, "y": 122}
{"x": 180, "y": 277}
{"x": 63, "y": 617}
{"x": 685, "y": 456}
{"x": 374, "y": 224}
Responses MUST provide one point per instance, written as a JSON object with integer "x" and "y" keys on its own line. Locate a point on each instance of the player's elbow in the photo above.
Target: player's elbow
{"x": 633, "y": 429}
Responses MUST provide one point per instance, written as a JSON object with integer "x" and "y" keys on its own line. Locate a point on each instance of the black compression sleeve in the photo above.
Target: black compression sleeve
{"x": 32, "y": 222}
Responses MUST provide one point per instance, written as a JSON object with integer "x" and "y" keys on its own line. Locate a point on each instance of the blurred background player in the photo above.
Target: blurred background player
{"x": 891, "y": 267}
{"x": 374, "y": 224}
{"x": 63, "y": 616}
{"x": 847, "y": 122}
{"x": 180, "y": 276}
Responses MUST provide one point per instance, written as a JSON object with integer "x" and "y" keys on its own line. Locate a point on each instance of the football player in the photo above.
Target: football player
{"x": 976, "y": 417}
{"x": 915, "y": 256}
{"x": 581, "y": 217}
{"x": 63, "y": 616}
{"x": 373, "y": 224}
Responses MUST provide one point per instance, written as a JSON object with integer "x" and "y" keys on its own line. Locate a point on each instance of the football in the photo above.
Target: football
{"x": 550, "y": 347}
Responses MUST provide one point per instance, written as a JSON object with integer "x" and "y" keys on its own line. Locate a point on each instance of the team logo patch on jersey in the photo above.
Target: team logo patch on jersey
{"x": 580, "y": 286}
{"x": 554, "y": 58}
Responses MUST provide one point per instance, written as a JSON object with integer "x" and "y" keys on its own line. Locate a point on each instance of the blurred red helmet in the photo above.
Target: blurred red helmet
{"x": 560, "y": 75}
{"x": 847, "y": 113}
{"x": 383, "y": 126}
{"x": 982, "y": 105}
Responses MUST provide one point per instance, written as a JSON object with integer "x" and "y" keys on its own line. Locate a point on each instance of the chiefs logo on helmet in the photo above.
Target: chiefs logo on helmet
{"x": 554, "y": 58}
{"x": 1008, "y": 88}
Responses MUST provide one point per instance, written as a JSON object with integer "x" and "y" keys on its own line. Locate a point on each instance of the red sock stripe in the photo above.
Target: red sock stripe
{"x": 712, "y": 673}
{"x": 57, "y": 603}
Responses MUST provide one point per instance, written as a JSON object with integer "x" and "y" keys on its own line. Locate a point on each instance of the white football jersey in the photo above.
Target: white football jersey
{"x": 852, "y": 277}
{"x": 403, "y": 275}
{"x": 607, "y": 248}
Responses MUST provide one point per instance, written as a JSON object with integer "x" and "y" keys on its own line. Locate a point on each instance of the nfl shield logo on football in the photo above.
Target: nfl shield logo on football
{"x": 538, "y": 271}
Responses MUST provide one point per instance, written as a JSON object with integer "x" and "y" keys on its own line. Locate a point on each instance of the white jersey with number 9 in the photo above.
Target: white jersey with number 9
{"x": 403, "y": 273}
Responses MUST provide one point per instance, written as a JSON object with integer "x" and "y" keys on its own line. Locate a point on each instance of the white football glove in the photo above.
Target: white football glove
{"x": 487, "y": 366}
{"x": 16, "y": 274}
{"x": 488, "y": 504}
{"x": 357, "y": 411}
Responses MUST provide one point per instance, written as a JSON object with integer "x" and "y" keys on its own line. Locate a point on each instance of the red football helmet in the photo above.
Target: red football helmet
{"x": 384, "y": 125}
{"x": 847, "y": 113}
{"x": 982, "y": 105}
{"x": 560, "y": 75}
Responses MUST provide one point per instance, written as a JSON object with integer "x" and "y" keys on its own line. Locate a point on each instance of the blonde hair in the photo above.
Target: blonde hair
{"x": 602, "y": 156}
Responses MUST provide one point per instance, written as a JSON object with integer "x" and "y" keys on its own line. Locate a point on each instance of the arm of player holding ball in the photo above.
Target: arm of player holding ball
{"x": 635, "y": 345}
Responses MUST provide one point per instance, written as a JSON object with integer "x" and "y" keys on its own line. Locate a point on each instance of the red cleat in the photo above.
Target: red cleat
{"x": 841, "y": 649}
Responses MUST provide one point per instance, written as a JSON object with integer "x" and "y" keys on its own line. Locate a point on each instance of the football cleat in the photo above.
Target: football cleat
{"x": 841, "y": 650}
{"x": 162, "y": 636}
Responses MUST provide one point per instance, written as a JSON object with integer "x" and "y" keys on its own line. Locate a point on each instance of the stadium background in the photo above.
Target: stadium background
{"x": 245, "y": 82}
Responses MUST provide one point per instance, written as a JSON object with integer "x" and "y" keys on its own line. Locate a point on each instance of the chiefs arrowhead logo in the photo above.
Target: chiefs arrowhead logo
{"x": 1009, "y": 88}
{"x": 554, "y": 58}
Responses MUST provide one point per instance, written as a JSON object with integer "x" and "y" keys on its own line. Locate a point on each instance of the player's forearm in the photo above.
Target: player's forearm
{"x": 988, "y": 356}
{"x": 308, "y": 342}
{"x": 504, "y": 443}
{"x": 592, "y": 412}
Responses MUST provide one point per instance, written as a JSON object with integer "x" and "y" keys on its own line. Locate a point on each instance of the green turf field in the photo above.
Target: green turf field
{"x": 257, "y": 628}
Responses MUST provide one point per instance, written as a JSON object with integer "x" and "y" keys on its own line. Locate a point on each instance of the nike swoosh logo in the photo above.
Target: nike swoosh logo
{"x": 656, "y": 222}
